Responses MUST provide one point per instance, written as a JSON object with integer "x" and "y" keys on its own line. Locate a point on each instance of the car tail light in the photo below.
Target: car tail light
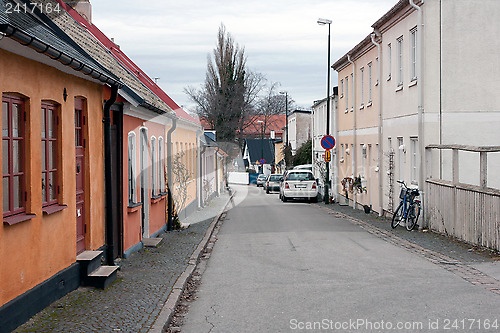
{"x": 314, "y": 186}
{"x": 287, "y": 186}
{"x": 267, "y": 184}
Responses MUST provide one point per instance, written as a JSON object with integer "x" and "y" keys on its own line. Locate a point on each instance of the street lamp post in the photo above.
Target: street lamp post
{"x": 327, "y": 181}
{"x": 286, "y": 117}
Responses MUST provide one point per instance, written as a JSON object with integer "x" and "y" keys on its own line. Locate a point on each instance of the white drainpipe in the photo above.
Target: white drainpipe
{"x": 353, "y": 153}
{"x": 420, "y": 83}
{"x": 376, "y": 33}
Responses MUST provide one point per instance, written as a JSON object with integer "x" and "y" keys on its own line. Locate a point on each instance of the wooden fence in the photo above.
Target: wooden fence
{"x": 468, "y": 212}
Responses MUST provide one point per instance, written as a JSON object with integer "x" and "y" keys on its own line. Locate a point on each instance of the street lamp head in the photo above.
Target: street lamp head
{"x": 324, "y": 21}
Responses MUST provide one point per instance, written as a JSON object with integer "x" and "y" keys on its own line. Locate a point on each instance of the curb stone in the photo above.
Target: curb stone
{"x": 164, "y": 318}
{"x": 466, "y": 272}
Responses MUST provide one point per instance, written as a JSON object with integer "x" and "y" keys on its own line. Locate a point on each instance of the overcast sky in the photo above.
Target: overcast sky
{"x": 172, "y": 39}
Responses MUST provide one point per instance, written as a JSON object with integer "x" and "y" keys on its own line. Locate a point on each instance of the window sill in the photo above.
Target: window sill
{"x": 158, "y": 198}
{"x": 53, "y": 209}
{"x": 11, "y": 220}
{"x": 134, "y": 207}
{"x": 413, "y": 83}
{"x": 399, "y": 88}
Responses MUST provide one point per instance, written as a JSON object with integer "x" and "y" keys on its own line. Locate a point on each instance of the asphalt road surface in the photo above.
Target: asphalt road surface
{"x": 292, "y": 267}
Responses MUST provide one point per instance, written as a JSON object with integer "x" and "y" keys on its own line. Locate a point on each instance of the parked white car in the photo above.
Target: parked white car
{"x": 299, "y": 184}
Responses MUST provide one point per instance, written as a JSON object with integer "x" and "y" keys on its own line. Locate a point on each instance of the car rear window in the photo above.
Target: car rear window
{"x": 275, "y": 178}
{"x": 300, "y": 176}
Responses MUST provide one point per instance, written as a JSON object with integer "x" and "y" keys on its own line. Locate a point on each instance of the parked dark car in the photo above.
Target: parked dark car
{"x": 273, "y": 183}
{"x": 261, "y": 179}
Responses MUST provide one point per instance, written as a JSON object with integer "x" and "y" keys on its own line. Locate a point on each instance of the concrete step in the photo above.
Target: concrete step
{"x": 89, "y": 262}
{"x": 152, "y": 242}
{"x": 102, "y": 277}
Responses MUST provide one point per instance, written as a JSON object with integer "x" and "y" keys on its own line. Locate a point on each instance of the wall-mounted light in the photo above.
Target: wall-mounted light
{"x": 65, "y": 94}
{"x": 2, "y": 35}
{"x": 402, "y": 148}
{"x": 347, "y": 151}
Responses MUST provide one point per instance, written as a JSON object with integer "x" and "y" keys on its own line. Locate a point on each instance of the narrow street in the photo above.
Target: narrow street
{"x": 282, "y": 267}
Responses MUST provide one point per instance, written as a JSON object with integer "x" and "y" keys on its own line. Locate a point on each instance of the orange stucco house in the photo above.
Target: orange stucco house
{"x": 53, "y": 164}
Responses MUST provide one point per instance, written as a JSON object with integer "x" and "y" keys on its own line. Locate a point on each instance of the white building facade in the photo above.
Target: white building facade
{"x": 432, "y": 69}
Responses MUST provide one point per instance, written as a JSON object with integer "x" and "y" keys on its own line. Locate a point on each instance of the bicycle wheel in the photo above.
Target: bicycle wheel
{"x": 413, "y": 214}
{"x": 398, "y": 216}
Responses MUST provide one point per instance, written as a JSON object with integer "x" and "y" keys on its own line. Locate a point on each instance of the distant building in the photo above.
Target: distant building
{"x": 257, "y": 150}
{"x": 299, "y": 128}
{"x": 318, "y": 132}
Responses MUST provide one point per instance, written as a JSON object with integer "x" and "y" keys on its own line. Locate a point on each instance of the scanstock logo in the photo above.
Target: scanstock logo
{"x": 26, "y": 14}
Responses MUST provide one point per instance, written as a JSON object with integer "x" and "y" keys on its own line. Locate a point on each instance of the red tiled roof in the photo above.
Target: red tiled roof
{"x": 127, "y": 63}
{"x": 275, "y": 123}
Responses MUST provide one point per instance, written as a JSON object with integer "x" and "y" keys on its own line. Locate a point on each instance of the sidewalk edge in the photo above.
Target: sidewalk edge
{"x": 163, "y": 320}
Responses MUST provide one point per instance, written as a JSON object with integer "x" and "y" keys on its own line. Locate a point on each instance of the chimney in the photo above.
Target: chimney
{"x": 83, "y": 7}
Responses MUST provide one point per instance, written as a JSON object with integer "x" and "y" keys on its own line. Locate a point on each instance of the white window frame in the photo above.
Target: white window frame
{"x": 353, "y": 90}
{"x": 346, "y": 94}
{"x": 370, "y": 82}
{"x": 400, "y": 61}
{"x": 400, "y": 158}
{"x": 414, "y": 160}
{"x": 413, "y": 54}
{"x": 132, "y": 168}
{"x": 161, "y": 164}
{"x": 362, "y": 69}
{"x": 154, "y": 165}
{"x": 389, "y": 53}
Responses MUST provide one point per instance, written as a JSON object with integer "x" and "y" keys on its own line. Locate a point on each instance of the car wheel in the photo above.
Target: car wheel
{"x": 314, "y": 199}
{"x": 267, "y": 191}
{"x": 284, "y": 198}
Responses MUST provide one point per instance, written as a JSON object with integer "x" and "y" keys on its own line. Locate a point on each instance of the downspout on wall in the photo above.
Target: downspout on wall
{"x": 107, "y": 175}
{"x": 420, "y": 84}
{"x": 353, "y": 126}
{"x": 170, "y": 208}
{"x": 376, "y": 33}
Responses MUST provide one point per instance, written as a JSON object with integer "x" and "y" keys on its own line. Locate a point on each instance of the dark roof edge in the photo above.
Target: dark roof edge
{"x": 41, "y": 47}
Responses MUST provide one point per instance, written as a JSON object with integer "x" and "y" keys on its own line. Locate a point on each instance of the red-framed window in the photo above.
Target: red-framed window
{"x": 13, "y": 155}
{"x": 50, "y": 120}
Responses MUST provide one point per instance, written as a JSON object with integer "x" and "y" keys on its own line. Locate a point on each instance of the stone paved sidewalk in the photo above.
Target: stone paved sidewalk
{"x": 134, "y": 301}
{"x": 477, "y": 265}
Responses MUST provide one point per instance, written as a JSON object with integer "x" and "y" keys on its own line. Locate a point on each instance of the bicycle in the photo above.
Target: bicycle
{"x": 408, "y": 209}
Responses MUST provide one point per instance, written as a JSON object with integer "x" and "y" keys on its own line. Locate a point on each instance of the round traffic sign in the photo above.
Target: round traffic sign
{"x": 262, "y": 161}
{"x": 328, "y": 142}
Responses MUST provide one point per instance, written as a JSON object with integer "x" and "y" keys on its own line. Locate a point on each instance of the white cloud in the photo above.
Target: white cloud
{"x": 171, "y": 39}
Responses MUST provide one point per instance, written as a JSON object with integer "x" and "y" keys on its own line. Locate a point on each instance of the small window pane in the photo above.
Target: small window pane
{"x": 44, "y": 187}
{"x": 6, "y": 194}
{"x": 5, "y": 119}
{"x": 44, "y": 165}
{"x": 51, "y": 120}
{"x": 17, "y": 192}
{"x": 43, "y": 123}
{"x": 16, "y": 110}
{"x": 52, "y": 154}
{"x": 5, "y": 154}
{"x": 52, "y": 185}
{"x": 16, "y": 156}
